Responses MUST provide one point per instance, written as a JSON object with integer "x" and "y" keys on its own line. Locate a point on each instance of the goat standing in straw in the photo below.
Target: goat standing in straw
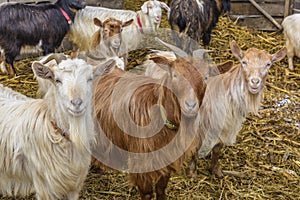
{"x": 47, "y": 149}
{"x": 229, "y": 97}
{"x": 146, "y": 126}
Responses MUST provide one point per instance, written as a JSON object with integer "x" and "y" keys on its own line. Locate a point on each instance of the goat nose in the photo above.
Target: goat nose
{"x": 255, "y": 80}
{"x": 76, "y": 102}
{"x": 190, "y": 105}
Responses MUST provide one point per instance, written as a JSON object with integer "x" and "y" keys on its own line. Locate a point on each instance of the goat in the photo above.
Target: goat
{"x": 229, "y": 97}
{"x": 147, "y": 20}
{"x": 43, "y": 24}
{"x": 291, "y": 28}
{"x": 198, "y": 59}
{"x": 107, "y": 41}
{"x": 206, "y": 69}
{"x": 47, "y": 150}
{"x": 148, "y": 129}
{"x": 196, "y": 18}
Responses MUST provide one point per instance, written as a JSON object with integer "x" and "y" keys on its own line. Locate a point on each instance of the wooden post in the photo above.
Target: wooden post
{"x": 267, "y": 15}
{"x": 287, "y": 8}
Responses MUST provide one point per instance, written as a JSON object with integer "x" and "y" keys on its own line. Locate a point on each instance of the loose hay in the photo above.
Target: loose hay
{"x": 264, "y": 163}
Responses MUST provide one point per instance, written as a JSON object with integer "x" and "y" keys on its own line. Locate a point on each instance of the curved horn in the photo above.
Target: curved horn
{"x": 200, "y": 53}
{"x": 58, "y": 57}
{"x": 176, "y": 50}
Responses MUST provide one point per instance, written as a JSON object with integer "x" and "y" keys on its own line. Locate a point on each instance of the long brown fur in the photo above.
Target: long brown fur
{"x": 113, "y": 94}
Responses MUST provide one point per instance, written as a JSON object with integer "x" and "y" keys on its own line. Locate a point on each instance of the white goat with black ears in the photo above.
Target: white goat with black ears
{"x": 146, "y": 20}
{"x": 47, "y": 149}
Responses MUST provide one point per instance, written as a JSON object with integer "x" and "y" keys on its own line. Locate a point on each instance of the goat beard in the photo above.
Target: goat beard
{"x": 79, "y": 132}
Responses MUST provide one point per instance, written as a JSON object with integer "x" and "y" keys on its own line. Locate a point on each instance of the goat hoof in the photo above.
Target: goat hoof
{"x": 192, "y": 174}
{"x": 218, "y": 173}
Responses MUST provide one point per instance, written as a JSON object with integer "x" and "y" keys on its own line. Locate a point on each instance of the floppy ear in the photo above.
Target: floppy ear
{"x": 42, "y": 71}
{"x": 162, "y": 62}
{"x": 97, "y": 22}
{"x": 236, "y": 50}
{"x": 279, "y": 55}
{"x": 127, "y": 23}
{"x": 104, "y": 68}
{"x": 144, "y": 7}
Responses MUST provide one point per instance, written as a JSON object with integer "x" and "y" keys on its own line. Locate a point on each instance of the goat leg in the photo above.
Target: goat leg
{"x": 144, "y": 186}
{"x": 215, "y": 168}
{"x": 191, "y": 170}
{"x": 161, "y": 186}
{"x": 11, "y": 70}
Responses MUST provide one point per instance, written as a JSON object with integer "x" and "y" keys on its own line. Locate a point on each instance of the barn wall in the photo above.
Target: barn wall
{"x": 248, "y": 15}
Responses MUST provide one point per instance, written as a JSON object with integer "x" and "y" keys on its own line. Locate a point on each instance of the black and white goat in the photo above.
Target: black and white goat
{"x": 196, "y": 18}
{"x": 43, "y": 24}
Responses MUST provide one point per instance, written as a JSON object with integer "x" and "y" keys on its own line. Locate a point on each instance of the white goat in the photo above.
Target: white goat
{"x": 229, "y": 97}
{"x": 147, "y": 20}
{"x": 47, "y": 149}
{"x": 291, "y": 30}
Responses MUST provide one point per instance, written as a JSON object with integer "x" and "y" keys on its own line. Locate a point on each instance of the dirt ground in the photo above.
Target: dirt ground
{"x": 265, "y": 161}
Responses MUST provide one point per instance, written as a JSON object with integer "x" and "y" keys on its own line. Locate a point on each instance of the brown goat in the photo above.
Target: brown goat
{"x": 229, "y": 97}
{"x": 107, "y": 41}
{"x": 147, "y": 126}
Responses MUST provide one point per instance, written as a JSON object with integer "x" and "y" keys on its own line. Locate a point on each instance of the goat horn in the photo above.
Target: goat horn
{"x": 199, "y": 53}
{"x": 176, "y": 50}
{"x": 58, "y": 57}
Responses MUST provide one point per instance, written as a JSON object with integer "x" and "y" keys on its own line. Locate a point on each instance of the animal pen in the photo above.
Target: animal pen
{"x": 265, "y": 161}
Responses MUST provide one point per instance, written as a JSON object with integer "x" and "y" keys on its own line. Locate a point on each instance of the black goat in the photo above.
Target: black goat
{"x": 196, "y": 18}
{"x": 43, "y": 24}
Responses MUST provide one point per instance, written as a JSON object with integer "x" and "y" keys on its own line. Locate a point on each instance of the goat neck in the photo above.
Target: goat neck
{"x": 148, "y": 26}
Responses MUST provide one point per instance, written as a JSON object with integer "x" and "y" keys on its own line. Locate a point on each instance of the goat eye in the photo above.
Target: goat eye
{"x": 90, "y": 79}
{"x": 244, "y": 62}
{"x": 57, "y": 81}
{"x": 268, "y": 64}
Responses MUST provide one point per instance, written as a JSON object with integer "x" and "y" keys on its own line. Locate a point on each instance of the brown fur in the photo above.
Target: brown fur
{"x": 101, "y": 42}
{"x": 139, "y": 101}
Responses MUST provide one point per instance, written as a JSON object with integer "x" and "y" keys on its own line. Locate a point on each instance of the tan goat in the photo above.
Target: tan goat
{"x": 229, "y": 97}
{"x": 107, "y": 41}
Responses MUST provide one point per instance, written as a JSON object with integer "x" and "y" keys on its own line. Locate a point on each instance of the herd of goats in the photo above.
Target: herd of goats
{"x": 94, "y": 111}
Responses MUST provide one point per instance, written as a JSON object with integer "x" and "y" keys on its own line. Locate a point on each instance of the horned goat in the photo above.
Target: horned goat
{"x": 196, "y": 18}
{"x": 47, "y": 150}
{"x": 146, "y": 20}
{"x": 146, "y": 126}
{"x": 291, "y": 28}
{"x": 229, "y": 98}
{"x": 199, "y": 60}
{"x": 43, "y": 24}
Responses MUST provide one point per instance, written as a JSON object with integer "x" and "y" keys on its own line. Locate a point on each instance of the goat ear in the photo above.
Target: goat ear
{"x": 162, "y": 62}
{"x": 225, "y": 66}
{"x": 144, "y": 7}
{"x": 279, "y": 55}
{"x": 127, "y": 23}
{"x": 236, "y": 50}
{"x": 42, "y": 71}
{"x": 97, "y": 22}
{"x": 104, "y": 68}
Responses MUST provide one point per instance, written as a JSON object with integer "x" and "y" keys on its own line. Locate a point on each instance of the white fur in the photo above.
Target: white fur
{"x": 34, "y": 158}
{"x": 291, "y": 30}
{"x": 83, "y": 28}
